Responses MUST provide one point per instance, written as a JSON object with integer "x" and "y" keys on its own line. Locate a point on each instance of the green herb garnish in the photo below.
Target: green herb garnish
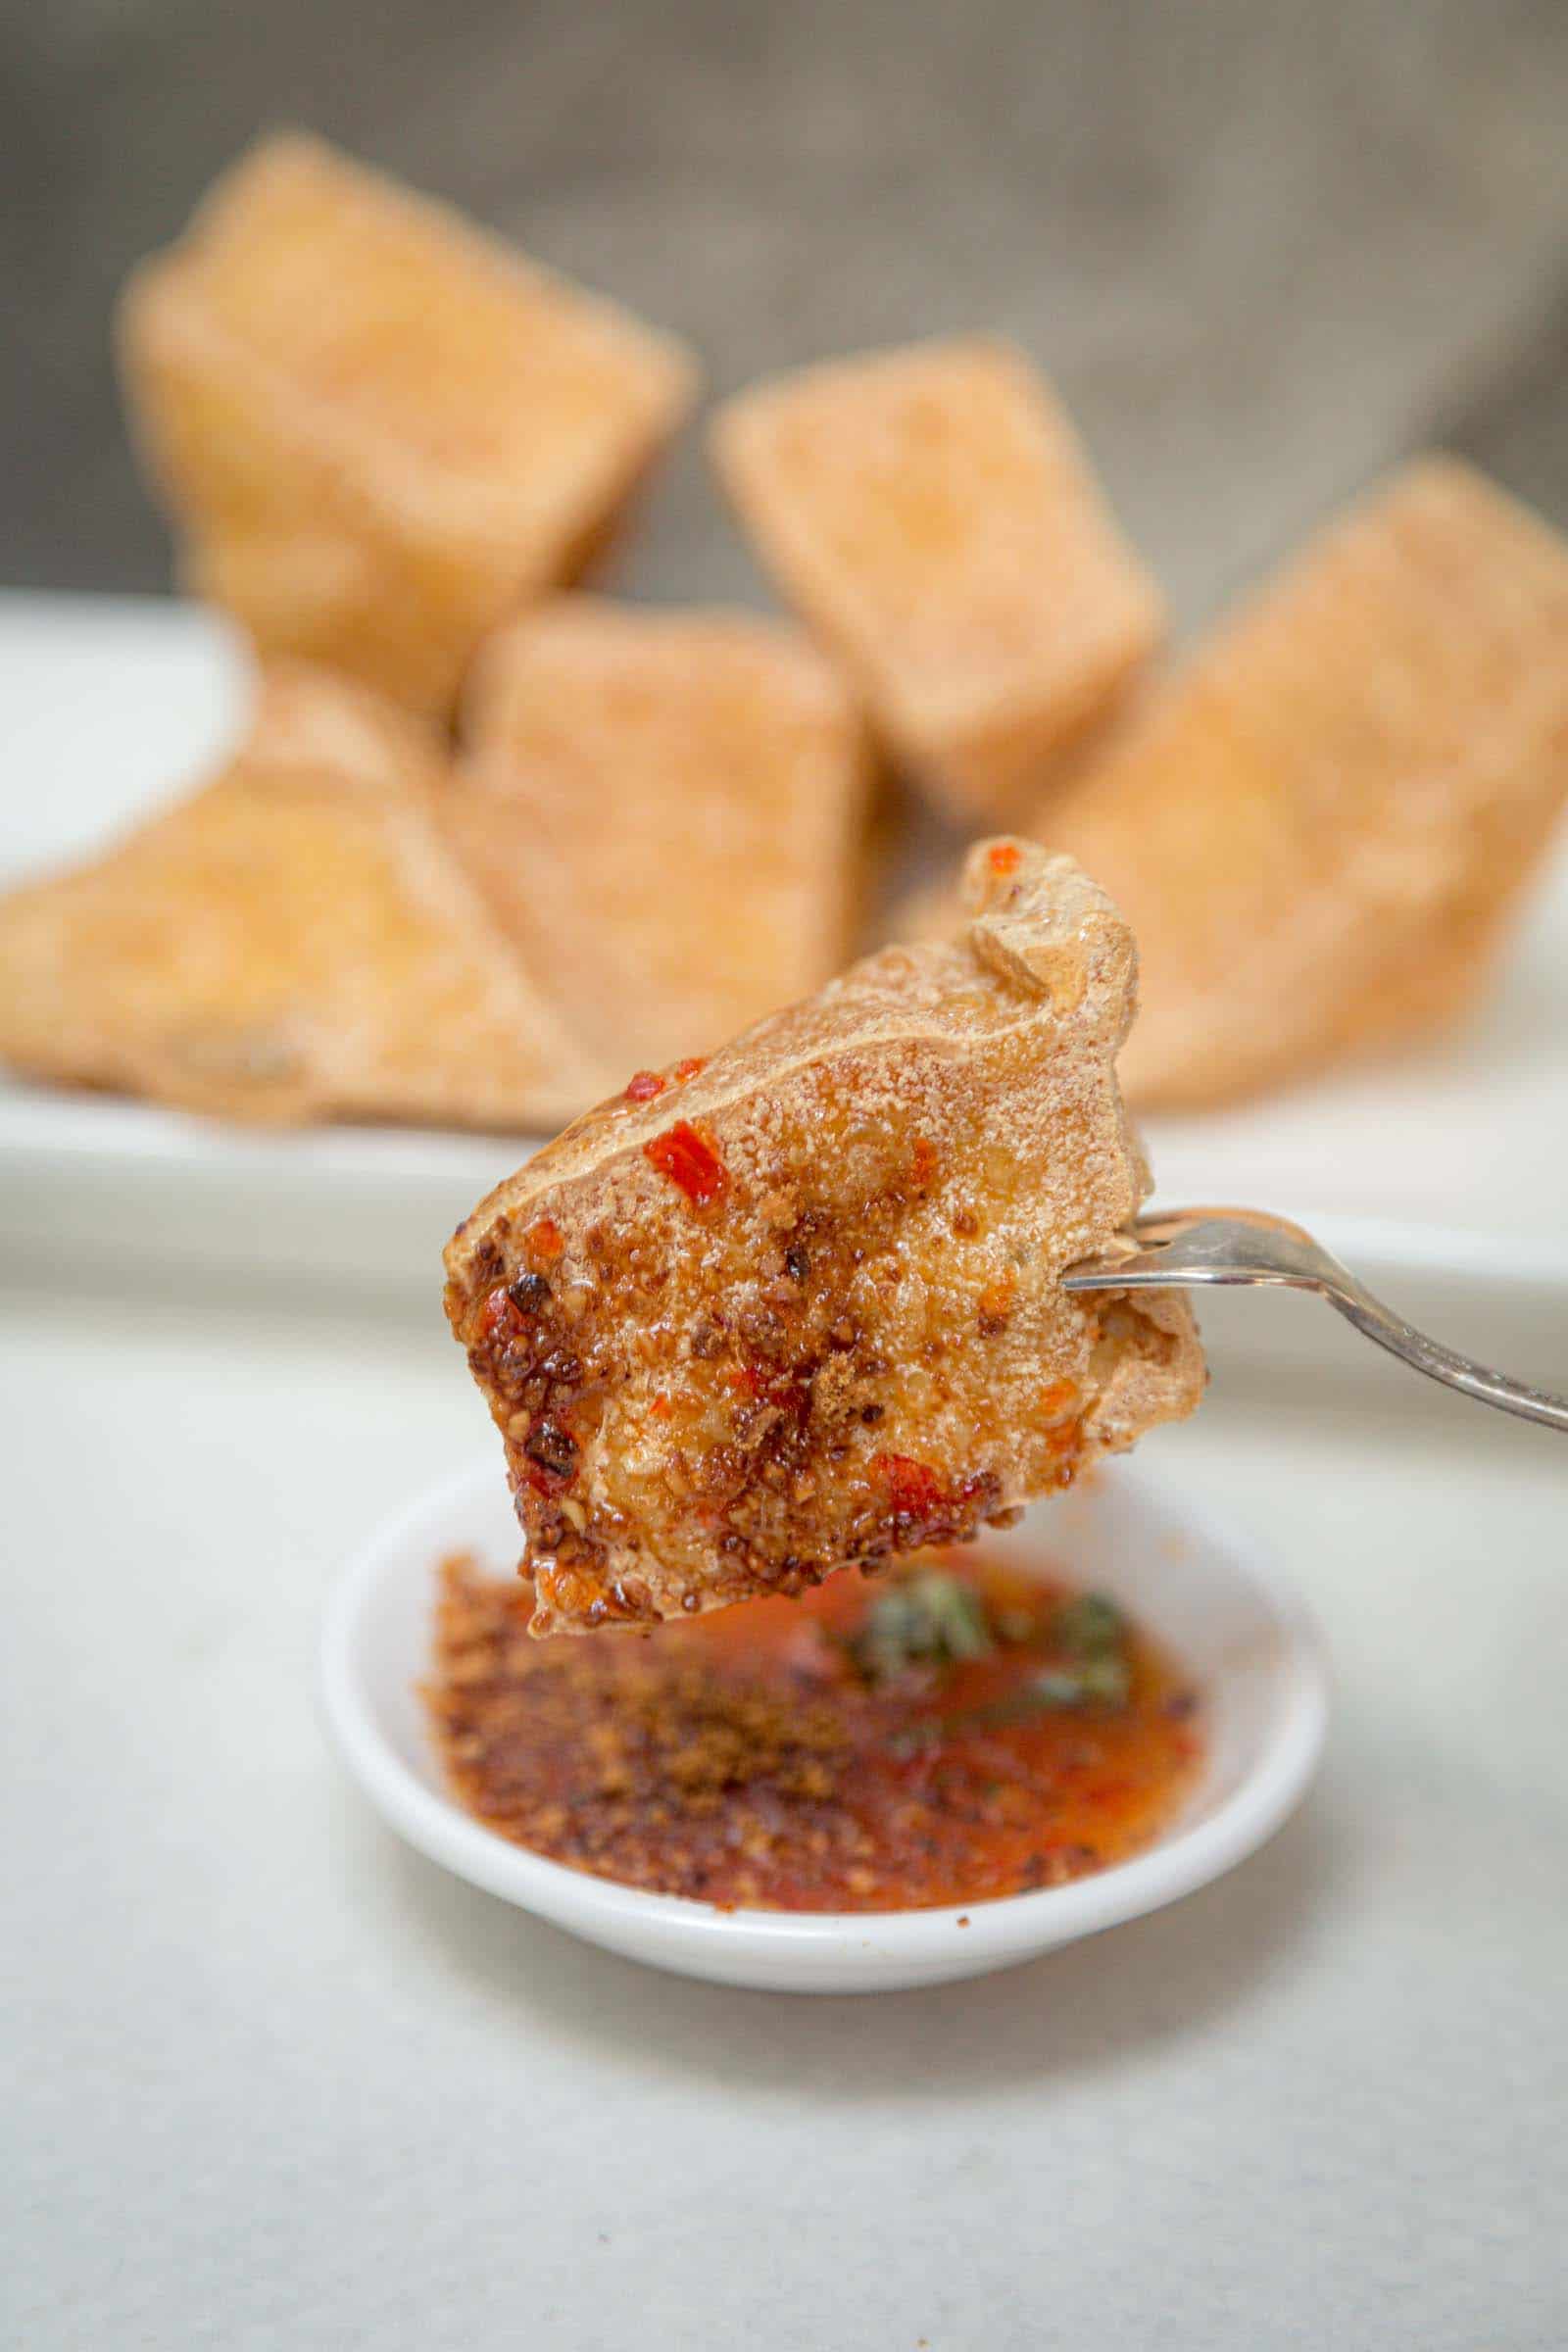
{"x": 1103, "y": 1682}
{"x": 1093, "y": 1670}
{"x": 1089, "y": 1626}
{"x": 930, "y": 1619}
{"x": 1015, "y": 1624}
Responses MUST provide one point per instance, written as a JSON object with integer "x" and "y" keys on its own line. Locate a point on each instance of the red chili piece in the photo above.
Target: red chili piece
{"x": 689, "y": 1068}
{"x": 545, "y": 1237}
{"x": 913, "y": 1487}
{"x": 1006, "y": 857}
{"x": 773, "y": 1383}
{"x": 690, "y": 1161}
{"x": 499, "y": 1320}
{"x": 645, "y": 1086}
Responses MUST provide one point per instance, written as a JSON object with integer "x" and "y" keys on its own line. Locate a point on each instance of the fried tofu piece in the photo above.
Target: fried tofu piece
{"x": 801, "y": 1306}
{"x": 294, "y": 941}
{"x": 380, "y": 431}
{"x": 1320, "y": 829}
{"x": 933, "y": 513}
{"x": 666, "y": 810}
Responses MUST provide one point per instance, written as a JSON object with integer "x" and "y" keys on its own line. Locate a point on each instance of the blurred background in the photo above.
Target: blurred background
{"x": 1263, "y": 248}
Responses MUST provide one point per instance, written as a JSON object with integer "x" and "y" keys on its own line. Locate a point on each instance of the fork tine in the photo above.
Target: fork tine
{"x": 1182, "y": 1248}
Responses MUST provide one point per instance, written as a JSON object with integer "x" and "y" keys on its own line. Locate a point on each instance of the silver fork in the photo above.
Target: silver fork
{"x": 1189, "y": 1248}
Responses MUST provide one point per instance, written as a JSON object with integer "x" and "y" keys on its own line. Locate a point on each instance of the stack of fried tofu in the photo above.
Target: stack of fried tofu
{"x": 491, "y": 844}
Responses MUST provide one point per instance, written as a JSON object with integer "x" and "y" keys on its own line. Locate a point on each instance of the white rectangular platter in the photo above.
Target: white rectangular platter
{"x": 1443, "y": 1174}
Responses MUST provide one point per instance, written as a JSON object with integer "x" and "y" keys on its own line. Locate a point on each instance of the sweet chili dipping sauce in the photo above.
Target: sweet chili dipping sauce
{"x": 954, "y": 1731}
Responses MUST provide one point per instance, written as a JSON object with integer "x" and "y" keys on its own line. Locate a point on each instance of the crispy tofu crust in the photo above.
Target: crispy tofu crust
{"x": 933, "y": 513}
{"x": 799, "y": 1305}
{"x": 664, "y": 810}
{"x": 294, "y": 941}
{"x": 1319, "y": 829}
{"x": 378, "y": 429}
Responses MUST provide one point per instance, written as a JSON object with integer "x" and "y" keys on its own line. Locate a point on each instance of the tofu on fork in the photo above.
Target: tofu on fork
{"x": 800, "y": 1304}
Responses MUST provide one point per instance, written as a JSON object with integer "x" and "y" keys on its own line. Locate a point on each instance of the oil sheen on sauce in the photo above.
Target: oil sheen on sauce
{"x": 957, "y": 1730}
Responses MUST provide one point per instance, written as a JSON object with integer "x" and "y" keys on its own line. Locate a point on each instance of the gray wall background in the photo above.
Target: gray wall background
{"x": 1263, "y": 248}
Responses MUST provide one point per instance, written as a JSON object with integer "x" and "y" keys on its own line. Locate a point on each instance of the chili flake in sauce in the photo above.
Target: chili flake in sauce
{"x": 956, "y": 1731}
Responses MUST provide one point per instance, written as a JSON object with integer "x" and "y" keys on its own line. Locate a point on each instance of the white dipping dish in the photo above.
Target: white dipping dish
{"x": 1248, "y": 1646}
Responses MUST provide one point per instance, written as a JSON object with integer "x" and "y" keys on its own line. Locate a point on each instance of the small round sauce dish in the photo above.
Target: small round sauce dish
{"x": 1246, "y": 1646}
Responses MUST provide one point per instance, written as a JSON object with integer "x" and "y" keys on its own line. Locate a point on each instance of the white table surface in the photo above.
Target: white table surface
{"x": 277, "y": 2082}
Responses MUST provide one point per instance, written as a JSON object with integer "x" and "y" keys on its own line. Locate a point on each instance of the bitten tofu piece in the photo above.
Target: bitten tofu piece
{"x": 934, "y": 514}
{"x": 380, "y": 431}
{"x": 666, "y": 810}
{"x": 1320, "y": 831}
{"x": 295, "y": 939}
{"x": 799, "y": 1306}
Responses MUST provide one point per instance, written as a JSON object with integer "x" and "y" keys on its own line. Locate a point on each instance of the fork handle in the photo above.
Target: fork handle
{"x": 1186, "y": 1248}
{"x": 1401, "y": 1339}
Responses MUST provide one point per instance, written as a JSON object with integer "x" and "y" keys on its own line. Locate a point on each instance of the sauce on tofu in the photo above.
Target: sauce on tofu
{"x": 957, "y": 1729}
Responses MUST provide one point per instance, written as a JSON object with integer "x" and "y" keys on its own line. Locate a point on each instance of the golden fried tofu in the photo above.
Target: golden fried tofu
{"x": 933, "y": 513}
{"x": 379, "y": 431}
{"x": 1320, "y": 829}
{"x": 799, "y": 1306}
{"x": 666, "y": 810}
{"x": 295, "y": 939}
